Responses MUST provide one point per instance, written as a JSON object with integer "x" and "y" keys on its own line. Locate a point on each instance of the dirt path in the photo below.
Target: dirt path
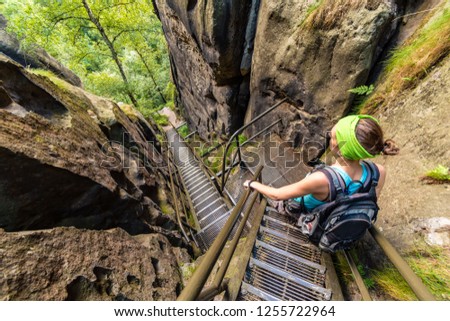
{"x": 172, "y": 118}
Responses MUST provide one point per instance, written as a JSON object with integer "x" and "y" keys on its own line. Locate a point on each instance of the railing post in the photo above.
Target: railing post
{"x": 238, "y": 149}
{"x": 408, "y": 274}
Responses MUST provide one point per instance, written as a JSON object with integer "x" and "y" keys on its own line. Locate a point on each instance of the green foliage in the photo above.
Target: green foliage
{"x": 65, "y": 30}
{"x": 411, "y": 62}
{"x": 440, "y": 173}
{"x": 393, "y": 284}
{"x": 170, "y": 93}
{"x": 161, "y": 120}
{"x": 184, "y": 130}
{"x": 50, "y": 75}
{"x": 431, "y": 264}
{"x": 368, "y": 281}
{"x": 362, "y": 90}
{"x": 429, "y": 36}
{"x": 242, "y": 139}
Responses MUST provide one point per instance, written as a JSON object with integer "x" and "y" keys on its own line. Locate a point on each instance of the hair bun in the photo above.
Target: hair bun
{"x": 390, "y": 148}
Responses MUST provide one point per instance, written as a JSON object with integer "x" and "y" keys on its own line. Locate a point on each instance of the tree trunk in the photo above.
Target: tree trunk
{"x": 151, "y": 75}
{"x": 112, "y": 50}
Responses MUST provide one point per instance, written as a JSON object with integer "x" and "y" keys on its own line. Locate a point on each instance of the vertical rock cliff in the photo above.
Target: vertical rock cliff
{"x": 231, "y": 58}
{"x": 70, "y": 158}
{"x": 210, "y": 46}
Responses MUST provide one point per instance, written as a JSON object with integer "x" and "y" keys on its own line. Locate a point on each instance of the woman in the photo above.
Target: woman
{"x": 353, "y": 139}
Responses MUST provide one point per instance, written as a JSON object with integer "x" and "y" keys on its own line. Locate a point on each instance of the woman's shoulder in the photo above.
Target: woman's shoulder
{"x": 317, "y": 177}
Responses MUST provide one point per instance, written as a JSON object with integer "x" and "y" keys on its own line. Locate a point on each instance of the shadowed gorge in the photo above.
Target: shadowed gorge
{"x": 127, "y": 130}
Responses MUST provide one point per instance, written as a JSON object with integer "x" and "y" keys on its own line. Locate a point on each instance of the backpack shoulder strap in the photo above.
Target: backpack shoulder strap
{"x": 335, "y": 182}
{"x": 374, "y": 173}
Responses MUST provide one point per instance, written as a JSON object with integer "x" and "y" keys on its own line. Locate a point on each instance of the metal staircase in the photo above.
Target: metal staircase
{"x": 211, "y": 211}
{"x": 276, "y": 262}
{"x": 283, "y": 265}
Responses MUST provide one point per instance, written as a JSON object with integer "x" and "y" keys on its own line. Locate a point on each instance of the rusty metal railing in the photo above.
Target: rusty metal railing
{"x": 201, "y": 275}
{"x": 235, "y": 139}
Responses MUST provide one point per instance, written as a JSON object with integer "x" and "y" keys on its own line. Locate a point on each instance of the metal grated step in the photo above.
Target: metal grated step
{"x": 250, "y": 293}
{"x": 280, "y": 217}
{"x": 303, "y": 250}
{"x": 209, "y": 206}
{"x": 297, "y": 266}
{"x": 286, "y": 228}
{"x": 283, "y": 285}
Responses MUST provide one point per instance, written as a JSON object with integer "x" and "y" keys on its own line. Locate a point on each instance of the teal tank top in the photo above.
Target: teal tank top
{"x": 352, "y": 187}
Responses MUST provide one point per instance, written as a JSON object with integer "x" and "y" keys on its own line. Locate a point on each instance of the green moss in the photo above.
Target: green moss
{"x": 440, "y": 173}
{"x": 166, "y": 209}
{"x": 429, "y": 263}
{"x": 130, "y": 112}
{"x": 50, "y": 75}
{"x": 412, "y": 61}
{"x": 187, "y": 270}
{"x": 183, "y": 130}
{"x": 190, "y": 219}
{"x": 38, "y": 139}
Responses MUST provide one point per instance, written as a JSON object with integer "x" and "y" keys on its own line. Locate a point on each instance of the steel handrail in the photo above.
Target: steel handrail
{"x": 238, "y": 132}
{"x": 260, "y": 132}
{"x": 199, "y": 278}
{"x": 357, "y": 276}
{"x": 177, "y": 210}
{"x": 416, "y": 284}
{"x": 217, "y": 284}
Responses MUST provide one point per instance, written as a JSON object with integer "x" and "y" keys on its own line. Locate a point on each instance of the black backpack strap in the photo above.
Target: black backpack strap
{"x": 335, "y": 182}
{"x": 374, "y": 173}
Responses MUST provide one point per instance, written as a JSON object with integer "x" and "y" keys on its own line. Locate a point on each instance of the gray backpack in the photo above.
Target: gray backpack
{"x": 339, "y": 223}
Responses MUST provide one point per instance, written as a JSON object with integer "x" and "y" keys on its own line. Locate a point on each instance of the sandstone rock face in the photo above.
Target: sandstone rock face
{"x": 419, "y": 122}
{"x": 208, "y": 42}
{"x": 39, "y": 58}
{"x": 314, "y": 61}
{"x": 71, "y": 264}
{"x": 215, "y": 58}
{"x": 69, "y": 158}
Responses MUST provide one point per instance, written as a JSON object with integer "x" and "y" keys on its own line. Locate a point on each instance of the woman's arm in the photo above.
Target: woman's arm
{"x": 316, "y": 183}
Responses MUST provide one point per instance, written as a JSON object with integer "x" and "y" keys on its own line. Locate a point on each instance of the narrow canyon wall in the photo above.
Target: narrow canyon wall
{"x": 210, "y": 44}
{"x": 314, "y": 58}
{"x": 311, "y": 55}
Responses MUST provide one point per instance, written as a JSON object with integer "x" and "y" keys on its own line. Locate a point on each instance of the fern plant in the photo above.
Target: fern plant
{"x": 362, "y": 90}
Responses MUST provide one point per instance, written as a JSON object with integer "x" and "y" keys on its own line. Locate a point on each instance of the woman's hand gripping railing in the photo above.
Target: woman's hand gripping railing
{"x": 196, "y": 283}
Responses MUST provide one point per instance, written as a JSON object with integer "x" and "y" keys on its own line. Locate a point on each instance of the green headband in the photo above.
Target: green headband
{"x": 346, "y": 138}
